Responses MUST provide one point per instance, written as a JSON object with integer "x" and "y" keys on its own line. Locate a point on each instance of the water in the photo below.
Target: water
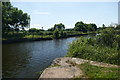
{"x": 27, "y": 59}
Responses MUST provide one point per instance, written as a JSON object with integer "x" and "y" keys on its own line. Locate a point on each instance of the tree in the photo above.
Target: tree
{"x": 62, "y": 34}
{"x": 59, "y": 26}
{"x": 103, "y": 25}
{"x": 94, "y": 26}
{"x": 56, "y": 34}
{"x": 6, "y": 19}
{"x": 80, "y": 26}
{"x": 118, "y": 27}
{"x": 70, "y": 29}
{"x": 42, "y": 28}
{"x": 51, "y": 29}
{"x": 33, "y": 31}
{"x": 107, "y": 37}
{"x": 13, "y": 18}
{"x": 91, "y": 27}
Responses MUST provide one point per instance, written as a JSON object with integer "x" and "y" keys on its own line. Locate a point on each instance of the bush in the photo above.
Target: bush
{"x": 10, "y": 35}
{"x": 103, "y": 48}
{"x": 63, "y": 34}
{"x": 107, "y": 37}
{"x": 56, "y": 34}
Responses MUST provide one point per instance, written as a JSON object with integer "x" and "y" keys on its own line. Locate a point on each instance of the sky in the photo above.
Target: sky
{"x": 46, "y": 14}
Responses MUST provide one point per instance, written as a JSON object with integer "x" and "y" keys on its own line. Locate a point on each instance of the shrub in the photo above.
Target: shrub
{"x": 103, "y": 48}
{"x": 56, "y": 34}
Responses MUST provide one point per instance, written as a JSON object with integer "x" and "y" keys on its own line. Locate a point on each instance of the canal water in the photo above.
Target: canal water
{"x": 27, "y": 59}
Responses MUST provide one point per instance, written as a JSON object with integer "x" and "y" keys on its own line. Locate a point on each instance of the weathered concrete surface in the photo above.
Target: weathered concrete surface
{"x": 66, "y": 68}
{"x": 70, "y": 61}
{"x": 62, "y": 72}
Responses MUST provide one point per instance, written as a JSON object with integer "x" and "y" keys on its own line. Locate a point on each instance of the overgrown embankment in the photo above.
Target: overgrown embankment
{"x": 103, "y": 48}
{"x": 40, "y": 37}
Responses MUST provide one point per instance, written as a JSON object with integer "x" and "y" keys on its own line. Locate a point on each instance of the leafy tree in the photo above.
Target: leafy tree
{"x": 80, "y": 26}
{"x": 63, "y": 34}
{"x": 118, "y": 27}
{"x": 6, "y": 19}
{"x": 56, "y": 33}
{"x": 107, "y": 37}
{"x": 13, "y": 18}
{"x": 17, "y": 30}
{"x": 42, "y": 28}
{"x": 51, "y": 29}
{"x": 69, "y": 29}
{"x": 91, "y": 27}
{"x": 103, "y": 25}
{"x": 59, "y": 26}
{"x": 33, "y": 31}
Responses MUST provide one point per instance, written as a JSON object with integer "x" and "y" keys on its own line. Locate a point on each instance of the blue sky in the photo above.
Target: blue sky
{"x": 46, "y": 14}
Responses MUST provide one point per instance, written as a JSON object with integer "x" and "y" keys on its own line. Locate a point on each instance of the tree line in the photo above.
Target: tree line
{"x": 79, "y": 26}
{"x": 15, "y": 22}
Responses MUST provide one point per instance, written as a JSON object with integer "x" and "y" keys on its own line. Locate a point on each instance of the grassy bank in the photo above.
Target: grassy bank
{"x": 97, "y": 72}
{"x": 103, "y": 48}
{"x": 37, "y": 37}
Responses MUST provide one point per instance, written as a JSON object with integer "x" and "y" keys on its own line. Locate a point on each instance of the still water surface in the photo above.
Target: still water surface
{"x": 27, "y": 59}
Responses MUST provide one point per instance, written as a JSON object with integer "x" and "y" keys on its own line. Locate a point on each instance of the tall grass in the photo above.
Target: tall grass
{"x": 92, "y": 49}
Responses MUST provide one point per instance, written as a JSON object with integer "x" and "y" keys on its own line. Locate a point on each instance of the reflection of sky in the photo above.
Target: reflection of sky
{"x": 26, "y": 59}
{"x": 50, "y": 13}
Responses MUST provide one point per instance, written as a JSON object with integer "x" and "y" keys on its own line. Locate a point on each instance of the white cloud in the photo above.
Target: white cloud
{"x": 39, "y": 26}
{"x": 35, "y": 26}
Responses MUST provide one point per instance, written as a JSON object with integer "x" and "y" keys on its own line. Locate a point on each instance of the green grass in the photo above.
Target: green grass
{"x": 87, "y": 49}
{"x": 38, "y": 36}
{"x": 42, "y": 34}
{"x": 92, "y": 71}
{"x": 102, "y": 48}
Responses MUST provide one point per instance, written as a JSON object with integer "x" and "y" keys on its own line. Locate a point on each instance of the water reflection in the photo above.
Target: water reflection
{"x": 14, "y": 57}
{"x": 27, "y": 59}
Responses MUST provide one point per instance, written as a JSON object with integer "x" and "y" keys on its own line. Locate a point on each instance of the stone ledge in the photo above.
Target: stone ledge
{"x": 67, "y": 68}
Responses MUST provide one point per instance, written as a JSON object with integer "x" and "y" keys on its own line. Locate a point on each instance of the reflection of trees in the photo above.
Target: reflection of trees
{"x": 59, "y": 46}
{"x": 13, "y": 59}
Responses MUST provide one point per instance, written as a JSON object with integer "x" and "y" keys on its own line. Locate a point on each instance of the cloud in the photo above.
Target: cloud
{"x": 39, "y": 26}
{"x": 35, "y": 25}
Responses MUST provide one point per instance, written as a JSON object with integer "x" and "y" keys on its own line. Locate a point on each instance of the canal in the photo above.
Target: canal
{"x": 27, "y": 59}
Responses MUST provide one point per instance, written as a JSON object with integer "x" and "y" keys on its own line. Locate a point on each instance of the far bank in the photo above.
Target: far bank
{"x": 15, "y": 40}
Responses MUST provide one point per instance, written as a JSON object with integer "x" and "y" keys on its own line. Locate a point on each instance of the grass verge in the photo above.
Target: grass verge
{"x": 93, "y": 72}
